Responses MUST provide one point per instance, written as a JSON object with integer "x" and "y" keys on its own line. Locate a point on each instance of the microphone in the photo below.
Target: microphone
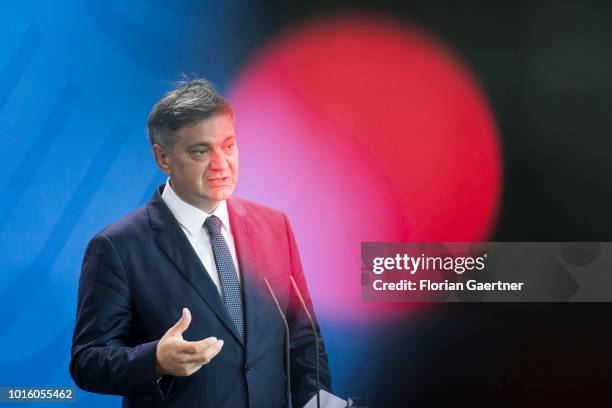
{"x": 287, "y": 344}
{"x": 314, "y": 330}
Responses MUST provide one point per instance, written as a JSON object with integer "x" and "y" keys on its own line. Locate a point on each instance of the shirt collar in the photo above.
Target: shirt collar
{"x": 189, "y": 216}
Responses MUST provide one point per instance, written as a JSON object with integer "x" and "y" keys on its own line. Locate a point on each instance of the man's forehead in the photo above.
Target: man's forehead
{"x": 208, "y": 132}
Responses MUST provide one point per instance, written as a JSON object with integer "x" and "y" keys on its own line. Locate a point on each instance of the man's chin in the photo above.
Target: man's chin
{"x": 220, "y": 195}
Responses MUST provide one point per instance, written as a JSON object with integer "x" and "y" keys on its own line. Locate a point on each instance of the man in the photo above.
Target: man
{"x": 172, "y": 307}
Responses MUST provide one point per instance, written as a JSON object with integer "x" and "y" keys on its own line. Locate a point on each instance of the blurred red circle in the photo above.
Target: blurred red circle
{"x": 365, "y": 129}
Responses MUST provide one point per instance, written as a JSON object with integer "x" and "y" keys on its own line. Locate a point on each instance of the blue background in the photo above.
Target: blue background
{"x": 77, "y": 81}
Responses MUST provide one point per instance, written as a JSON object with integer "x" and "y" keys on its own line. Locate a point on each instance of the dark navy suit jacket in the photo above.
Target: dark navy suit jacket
{"x": 140, "y": 272}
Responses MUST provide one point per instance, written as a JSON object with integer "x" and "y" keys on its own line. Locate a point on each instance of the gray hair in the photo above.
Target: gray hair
{"x": 191, "y": 102}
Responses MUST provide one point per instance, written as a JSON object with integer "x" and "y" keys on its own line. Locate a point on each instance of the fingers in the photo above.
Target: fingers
{"x": 203, "y": 351}
{"x": 198, "y": 347}
{"x": 212, "y": 351}
{"x": 182, "y": 325}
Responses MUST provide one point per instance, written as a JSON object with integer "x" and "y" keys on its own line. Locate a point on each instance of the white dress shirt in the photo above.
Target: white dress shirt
{"x": 191, "y": 220}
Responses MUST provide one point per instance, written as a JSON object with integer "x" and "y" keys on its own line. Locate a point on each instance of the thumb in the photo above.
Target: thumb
{"x": 183, "y": 323}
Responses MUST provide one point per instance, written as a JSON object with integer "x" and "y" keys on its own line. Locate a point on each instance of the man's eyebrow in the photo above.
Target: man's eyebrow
{"x": 201, "y": 144}
{"x": 206, "y": 144}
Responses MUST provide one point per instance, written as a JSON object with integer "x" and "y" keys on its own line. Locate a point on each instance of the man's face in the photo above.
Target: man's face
{"x": 203, "y": 163}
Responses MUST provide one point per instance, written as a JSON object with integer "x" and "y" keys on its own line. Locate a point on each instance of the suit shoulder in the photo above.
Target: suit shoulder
{"x": 252, "y": 206}
{"x": 129, "y": 226}
{"x": 257, "y": 212}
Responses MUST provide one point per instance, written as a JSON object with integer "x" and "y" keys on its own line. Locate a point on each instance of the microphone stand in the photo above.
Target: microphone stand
{"x": 287, "y": 345}
{"x": 314, "y": 329}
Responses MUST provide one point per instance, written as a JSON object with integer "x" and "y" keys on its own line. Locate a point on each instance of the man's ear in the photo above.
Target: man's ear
{"x": 161, "y": 158}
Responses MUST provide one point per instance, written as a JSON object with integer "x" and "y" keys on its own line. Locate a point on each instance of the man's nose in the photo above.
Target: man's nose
{"x": 217, "y": 160}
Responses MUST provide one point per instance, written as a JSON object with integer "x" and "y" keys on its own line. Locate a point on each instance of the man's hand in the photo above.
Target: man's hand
{"x": 182, "y": 358}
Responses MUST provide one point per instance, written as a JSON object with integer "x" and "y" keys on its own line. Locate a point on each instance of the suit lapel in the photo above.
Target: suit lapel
{"x": 177, "y": 247}
{"x": 246, "y": 245}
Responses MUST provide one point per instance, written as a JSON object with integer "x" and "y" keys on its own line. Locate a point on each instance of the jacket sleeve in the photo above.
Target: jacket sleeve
{"x": 103, "y": 360}
{"x": 303, "y": 357}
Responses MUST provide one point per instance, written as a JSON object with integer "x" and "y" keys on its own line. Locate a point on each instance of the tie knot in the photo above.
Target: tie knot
{"x": 213, "y": 225}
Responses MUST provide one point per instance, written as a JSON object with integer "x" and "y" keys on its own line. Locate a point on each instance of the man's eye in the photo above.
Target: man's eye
{"x": 199, "y": 152}
{"x": 230, "y": 146}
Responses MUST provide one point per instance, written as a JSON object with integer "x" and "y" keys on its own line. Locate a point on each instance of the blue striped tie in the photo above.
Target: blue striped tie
{"x": 230, "y": 287}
